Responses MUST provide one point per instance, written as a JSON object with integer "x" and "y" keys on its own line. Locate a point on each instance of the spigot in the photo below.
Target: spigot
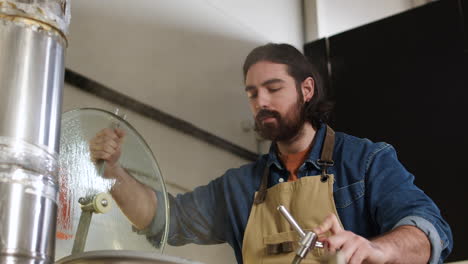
{"x": 308, "y": 240}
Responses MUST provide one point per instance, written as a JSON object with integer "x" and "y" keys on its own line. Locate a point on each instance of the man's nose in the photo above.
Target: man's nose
{"x": 263, "y": 100}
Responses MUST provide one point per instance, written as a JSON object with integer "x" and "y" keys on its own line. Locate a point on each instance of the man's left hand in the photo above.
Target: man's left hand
{"x": 356, "y": 249}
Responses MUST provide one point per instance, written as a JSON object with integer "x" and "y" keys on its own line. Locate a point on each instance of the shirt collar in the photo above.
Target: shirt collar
{"x": 314, "y": 154}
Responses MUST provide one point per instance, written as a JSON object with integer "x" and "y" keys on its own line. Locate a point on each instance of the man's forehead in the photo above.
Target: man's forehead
{"x": 264, "y": 70}
{"x": 250, "y": 87}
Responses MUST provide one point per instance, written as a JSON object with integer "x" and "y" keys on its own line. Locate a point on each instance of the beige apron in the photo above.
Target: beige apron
{"x": 268, "y": 237}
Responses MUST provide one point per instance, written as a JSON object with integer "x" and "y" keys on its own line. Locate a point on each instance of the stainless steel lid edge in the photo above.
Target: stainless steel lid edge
{"x": 125, "y": 256}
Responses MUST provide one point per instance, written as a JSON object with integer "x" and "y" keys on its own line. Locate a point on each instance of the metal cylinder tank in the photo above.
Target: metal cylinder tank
{"x": 32, "y": 47}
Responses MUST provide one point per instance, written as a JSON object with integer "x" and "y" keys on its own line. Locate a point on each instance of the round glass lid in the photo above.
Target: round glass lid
{"x": 112, "y": 195}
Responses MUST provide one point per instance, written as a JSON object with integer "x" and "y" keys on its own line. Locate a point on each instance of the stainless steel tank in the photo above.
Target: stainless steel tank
{"x": 32, "y": 47}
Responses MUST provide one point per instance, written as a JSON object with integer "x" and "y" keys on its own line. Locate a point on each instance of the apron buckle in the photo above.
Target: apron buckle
{"x": 324, "y": 164}
{"x": 324, "y": 177}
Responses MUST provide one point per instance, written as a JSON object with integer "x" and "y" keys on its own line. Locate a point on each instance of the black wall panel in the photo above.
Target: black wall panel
{"x": 463, "y": 7}
{"x": 404, "y": 80}
{"x": 317, "y": 53}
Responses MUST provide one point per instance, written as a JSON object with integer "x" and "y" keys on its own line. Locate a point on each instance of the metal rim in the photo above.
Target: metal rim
{"x": 31, "y": 21}
{"x": 123, "y": 255}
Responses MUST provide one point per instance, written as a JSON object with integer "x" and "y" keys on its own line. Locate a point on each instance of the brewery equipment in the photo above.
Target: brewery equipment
{"x": 32, "y": 46}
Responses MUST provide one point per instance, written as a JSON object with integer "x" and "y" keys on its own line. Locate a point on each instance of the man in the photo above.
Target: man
{"x": 353, "y": 193}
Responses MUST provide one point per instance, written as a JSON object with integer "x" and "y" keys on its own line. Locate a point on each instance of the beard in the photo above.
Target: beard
{"x": 285, "y": 128}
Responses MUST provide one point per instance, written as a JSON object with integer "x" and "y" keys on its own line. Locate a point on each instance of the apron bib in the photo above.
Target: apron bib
{"x": 269, "y": 238}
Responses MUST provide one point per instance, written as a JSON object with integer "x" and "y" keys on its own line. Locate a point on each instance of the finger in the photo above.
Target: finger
{"x": 106, "y": 148}
{"x": 322, "y": 238}
{"x": 120, "y": 132}
{"x": 99, "y": 139}
{"x": 337, "y": 241}
{"x": 358, "y": 257}
{"x": 349, "y": 247}
{"x": 103, "y": 155}
{"x": 106, "y": 141}
{"x": 107, "y": 132}
{"x": 100, "y": 155}
{"x": 329, "y": 224}
{"x": 113, "y": 143}
{"x": 328, "y": 248}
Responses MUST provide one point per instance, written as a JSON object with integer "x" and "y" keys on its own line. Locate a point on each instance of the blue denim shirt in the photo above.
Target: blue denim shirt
{"x": 373, "y": 194}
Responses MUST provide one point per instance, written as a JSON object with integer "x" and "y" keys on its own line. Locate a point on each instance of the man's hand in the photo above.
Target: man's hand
{"x": 355, "y": 249}
{"x": 137, "y": 201}
{"x": 106, "y": 145}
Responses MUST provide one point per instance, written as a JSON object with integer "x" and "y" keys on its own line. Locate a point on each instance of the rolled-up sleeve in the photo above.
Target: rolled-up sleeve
{"x": 431, "y": 233}
{"x": 395, "y": 200}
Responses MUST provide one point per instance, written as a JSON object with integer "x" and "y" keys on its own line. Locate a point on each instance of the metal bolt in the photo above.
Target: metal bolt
{"x": 104, "y": 202}
{"x": 82, "y": 200}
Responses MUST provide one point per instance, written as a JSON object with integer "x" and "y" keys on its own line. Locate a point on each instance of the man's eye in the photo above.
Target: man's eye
{"x": 274, "y": 89}
{"x": 252, "y": 95}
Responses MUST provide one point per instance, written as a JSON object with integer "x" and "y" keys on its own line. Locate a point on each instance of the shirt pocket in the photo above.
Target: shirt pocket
{"x": 347, "y": 195}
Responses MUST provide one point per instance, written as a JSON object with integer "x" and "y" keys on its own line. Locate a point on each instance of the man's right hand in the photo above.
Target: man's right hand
{"x": 106, "y": 145}
{"x": 137, "y": 201}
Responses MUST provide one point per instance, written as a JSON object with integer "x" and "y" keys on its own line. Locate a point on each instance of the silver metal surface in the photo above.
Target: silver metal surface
{"x": 305, "y": 244}
{"x": 122, "y": 257}
{"x": 82, "y": 232}
{"x": 97, "y": 204}
{"x": 308, "y": 240}
{"x": 54, "y": 14}
{"x": 318, "y": 244}
{"x": 27, "y": 215}
{"x": 31, "y": 83}
{"x": 291, "y": 220}
{"x": 20, "y": 260}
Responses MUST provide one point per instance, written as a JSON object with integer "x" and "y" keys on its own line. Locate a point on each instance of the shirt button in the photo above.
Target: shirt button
{"x": 281, "y": 180}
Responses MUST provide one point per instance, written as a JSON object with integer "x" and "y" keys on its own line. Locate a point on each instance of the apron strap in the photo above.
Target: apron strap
{"x": 326, "y": 159}
{"x": 324, "y": 162}
{"x": 261, "y": 195}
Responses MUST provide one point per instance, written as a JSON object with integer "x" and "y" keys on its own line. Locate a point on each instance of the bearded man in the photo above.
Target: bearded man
{"x": 353, "y": 193}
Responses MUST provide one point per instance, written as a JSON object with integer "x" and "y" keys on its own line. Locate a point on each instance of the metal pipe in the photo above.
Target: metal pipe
{"x": 291, "y": 220}
{"x": 32, "y": 47}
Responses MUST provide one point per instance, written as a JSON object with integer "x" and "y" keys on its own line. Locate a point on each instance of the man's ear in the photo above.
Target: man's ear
{"x": 308, "y": 89}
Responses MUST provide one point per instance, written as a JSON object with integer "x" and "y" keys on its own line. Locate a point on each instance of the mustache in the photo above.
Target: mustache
{"x": 265, "y": 113}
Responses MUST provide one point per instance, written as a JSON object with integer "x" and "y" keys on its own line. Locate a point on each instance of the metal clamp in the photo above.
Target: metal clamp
{"x": 327, "y": 163}
{"x": 99, "y": 204}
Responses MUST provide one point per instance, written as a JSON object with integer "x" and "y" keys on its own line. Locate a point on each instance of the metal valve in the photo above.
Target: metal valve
{"x": 308, "y": 240}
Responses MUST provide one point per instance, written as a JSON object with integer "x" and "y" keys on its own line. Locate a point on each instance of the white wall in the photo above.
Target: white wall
{"x": 185, "y": 58}
{"x": 335, "y": 16}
